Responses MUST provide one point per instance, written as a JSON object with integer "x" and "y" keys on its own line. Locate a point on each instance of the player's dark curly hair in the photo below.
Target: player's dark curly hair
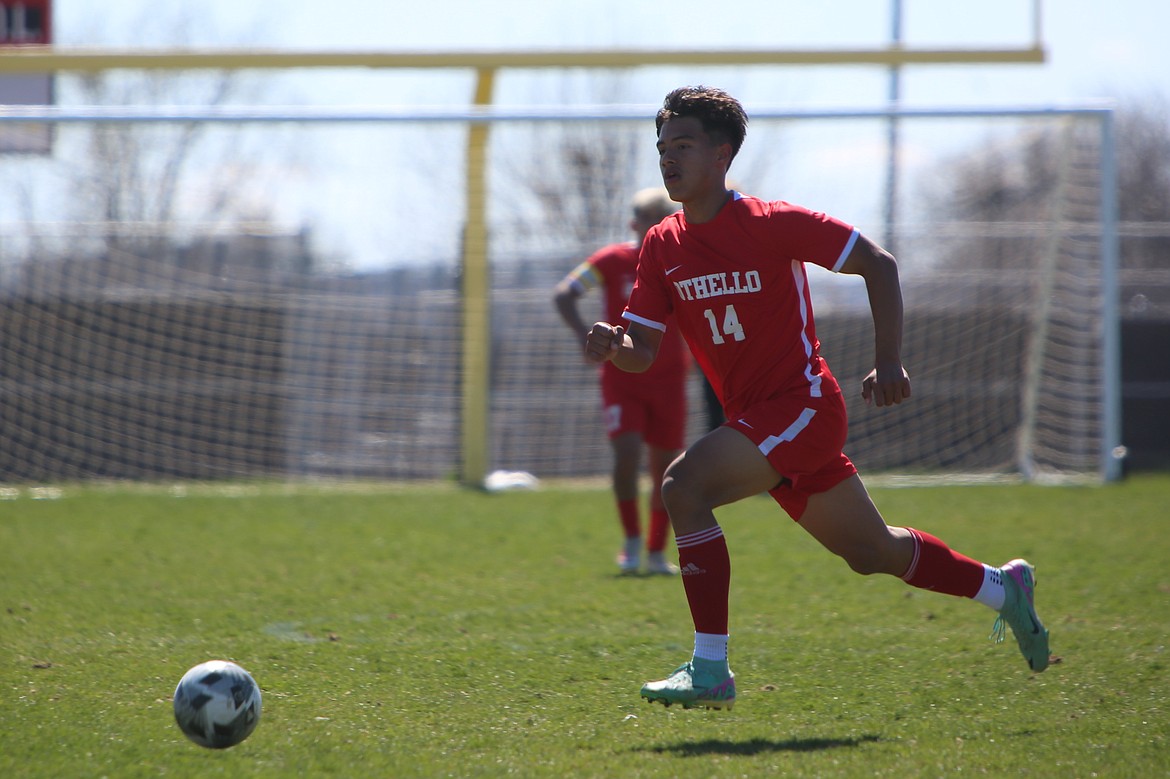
{"x": 721, "y": 115}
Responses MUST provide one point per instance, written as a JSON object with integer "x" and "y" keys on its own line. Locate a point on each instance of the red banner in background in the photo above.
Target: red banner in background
{"x": 26, "y": 22}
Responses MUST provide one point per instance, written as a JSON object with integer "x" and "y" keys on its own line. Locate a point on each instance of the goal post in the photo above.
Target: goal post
{"x": 476, "y": 297}
{"x": 217, "y": 350}
{"x": 476, "y": 362}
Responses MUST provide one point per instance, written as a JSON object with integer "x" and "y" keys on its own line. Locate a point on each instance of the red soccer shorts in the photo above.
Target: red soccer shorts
{"x": 802, "y": 437}
{"x": 655, "y": 409}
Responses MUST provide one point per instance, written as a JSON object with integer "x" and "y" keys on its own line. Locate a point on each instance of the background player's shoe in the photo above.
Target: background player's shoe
{"x": 1019, "y": 611}
{"x": 629, "y": 559}
{"x": 657, "y": 563}
{"x": 699, "y": 683}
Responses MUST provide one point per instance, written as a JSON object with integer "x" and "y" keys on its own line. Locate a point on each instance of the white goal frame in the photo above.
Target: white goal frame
{"x": 475, "y": 390}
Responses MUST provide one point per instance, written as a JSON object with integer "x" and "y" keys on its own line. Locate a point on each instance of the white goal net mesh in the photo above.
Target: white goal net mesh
{"x": 226, "y": 300}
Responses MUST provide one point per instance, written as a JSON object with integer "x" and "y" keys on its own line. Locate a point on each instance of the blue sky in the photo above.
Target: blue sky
{"x": 1096, "y": 51}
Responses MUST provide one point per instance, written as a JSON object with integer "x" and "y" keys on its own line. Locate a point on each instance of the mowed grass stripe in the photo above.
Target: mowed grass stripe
{"x": 440, "y": 632}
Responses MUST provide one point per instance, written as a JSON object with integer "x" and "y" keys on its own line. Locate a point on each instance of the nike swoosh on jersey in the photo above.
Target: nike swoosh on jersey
{"x": 672, "y": 270}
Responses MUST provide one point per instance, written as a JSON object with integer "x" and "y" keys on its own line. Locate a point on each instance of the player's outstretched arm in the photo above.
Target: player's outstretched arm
{"x": 888, "y": 383}
{"x": 565, "y": 297}
{"x": 632, "y": 350}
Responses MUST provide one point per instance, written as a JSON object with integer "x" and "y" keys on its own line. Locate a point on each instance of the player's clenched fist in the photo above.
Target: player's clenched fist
{"x": 886, "y": 387}
{"x": 603, "y": 342}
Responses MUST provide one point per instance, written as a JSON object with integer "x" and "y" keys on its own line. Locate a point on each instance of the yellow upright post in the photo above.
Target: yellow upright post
{"x": 476, "y": 304}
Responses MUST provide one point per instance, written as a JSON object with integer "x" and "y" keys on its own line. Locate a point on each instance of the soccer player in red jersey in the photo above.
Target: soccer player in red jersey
{"x": 730, "y": 270}
{"x": 648, "y": 408}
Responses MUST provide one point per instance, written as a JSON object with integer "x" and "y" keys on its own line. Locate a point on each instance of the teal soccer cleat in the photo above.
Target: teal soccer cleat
{"x": 700, "y": 683}
{"x": 1019, "y": 611}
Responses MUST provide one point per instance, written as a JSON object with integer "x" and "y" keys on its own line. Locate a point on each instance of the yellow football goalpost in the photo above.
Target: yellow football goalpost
{"x": 475, "y": 271}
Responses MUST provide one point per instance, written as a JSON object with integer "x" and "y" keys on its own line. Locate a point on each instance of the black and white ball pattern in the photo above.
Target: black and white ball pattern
{"x": 217, "y": 704}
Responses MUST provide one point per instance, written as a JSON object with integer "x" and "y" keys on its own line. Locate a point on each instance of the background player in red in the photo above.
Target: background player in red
{"x": 648, "y": 408}
{"x": 730, "y": 270}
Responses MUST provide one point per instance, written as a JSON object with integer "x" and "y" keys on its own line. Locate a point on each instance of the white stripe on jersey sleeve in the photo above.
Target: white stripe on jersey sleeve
{"x": 643, "y": 321}
{"x": 845, "y": 252}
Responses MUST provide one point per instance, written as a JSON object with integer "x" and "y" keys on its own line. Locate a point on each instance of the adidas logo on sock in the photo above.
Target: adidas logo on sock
{"x": 690, "y": 569}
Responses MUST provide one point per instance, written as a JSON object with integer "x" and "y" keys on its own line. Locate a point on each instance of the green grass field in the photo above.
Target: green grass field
{"x": 439, "y": 632}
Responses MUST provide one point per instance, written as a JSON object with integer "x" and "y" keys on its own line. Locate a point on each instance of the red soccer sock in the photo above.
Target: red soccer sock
{"x": 706, "y": 574}
{"x": 628, "y": 514}
{"x": 659, "y": 525}
{"x": 939, "y": 568}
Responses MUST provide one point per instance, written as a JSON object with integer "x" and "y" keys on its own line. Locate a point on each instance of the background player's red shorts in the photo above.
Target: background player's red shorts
{"x": 656, "y": 409}
{"x": 802, "y": 438}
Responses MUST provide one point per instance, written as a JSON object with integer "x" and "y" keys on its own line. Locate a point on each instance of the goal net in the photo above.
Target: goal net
{"x": 242, "y": 295}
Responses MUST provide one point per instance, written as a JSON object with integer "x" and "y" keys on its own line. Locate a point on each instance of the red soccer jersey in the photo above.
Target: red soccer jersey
{"x": 613, "y": 269}
{"x": 737, "y": 288}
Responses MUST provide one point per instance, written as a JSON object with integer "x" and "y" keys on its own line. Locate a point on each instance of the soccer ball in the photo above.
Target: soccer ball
{"x": 217, "y": 704}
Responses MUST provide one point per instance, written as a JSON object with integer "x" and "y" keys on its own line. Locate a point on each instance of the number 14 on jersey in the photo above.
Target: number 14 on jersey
{"x": 730, "y": 326}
